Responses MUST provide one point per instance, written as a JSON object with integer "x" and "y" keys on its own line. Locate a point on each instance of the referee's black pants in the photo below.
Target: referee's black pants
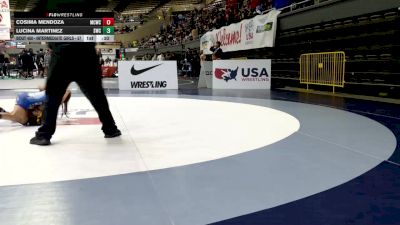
{"x": 82, "y": 66}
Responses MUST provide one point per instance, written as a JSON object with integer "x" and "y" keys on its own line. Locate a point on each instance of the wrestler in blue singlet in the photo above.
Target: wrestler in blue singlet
{"x": 30, "y": 101}
{"x": 27, "y": 100}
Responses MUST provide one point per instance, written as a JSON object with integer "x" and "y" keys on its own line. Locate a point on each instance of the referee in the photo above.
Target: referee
{"x": 73, "y": 62}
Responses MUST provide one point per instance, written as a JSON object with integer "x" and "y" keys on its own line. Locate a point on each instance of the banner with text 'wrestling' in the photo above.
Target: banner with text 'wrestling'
{"x": 258, "y": 32}
{"x": 147, "y": 75}
{"x": 242, "y": 74}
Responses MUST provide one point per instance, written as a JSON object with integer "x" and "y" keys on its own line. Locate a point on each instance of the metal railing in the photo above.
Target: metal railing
{"x": 325, "y": 68}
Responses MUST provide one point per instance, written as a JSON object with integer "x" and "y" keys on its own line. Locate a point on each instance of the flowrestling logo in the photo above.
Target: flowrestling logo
{"x": 246, "y": 74}
{"x": 135, "y": 72}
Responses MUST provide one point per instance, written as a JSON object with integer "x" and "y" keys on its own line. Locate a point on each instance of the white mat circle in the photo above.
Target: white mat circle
{"x": 158, "y": 133}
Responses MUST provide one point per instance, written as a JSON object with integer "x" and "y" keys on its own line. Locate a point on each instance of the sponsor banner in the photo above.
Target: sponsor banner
{"x": 108, "y": 51}
{"x": 5, "y": 20}
{"x": 147, "y": 75}
{"x": 258, "y": 32}
{"x": 202, "y": 80}
{"x": 208, "y": 72}
{"x": 242, "y": 74}
{"x": 5, "y": 34}
{"x": 205, "y": 79}
{"x": 5, "y": 16}
{"x": 131, "y": 49}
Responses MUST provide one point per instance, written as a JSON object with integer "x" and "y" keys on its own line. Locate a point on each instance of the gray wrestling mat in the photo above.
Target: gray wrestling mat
{"x": 21, "y": 84}
{"x": 8, "y": 84}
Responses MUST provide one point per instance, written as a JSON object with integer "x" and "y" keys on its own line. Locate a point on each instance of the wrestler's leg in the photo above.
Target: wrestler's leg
{"x": 64, "y": 103}
{"x": 66, "y": 96}
{"x": 19, "y": 115}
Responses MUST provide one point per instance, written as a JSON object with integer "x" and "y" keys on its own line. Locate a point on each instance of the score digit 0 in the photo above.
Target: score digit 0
{"x": 108, "y": 21}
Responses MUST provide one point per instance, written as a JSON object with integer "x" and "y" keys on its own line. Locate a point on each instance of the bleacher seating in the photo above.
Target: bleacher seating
{"x": 141, "y": 7}
{"x": 173, "y": 3}
{"x": 110, "y": 5}
{"x": 371, "y": 43}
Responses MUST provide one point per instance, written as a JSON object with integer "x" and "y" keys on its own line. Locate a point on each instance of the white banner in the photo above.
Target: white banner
{"x": 131, "y": 50}
{"x": 205, "y": 79}
{"x": 147, "y": 75}
{"x": 108, "y": 51}
{"x": 5, "y": 34}
{"x": 5, "y": 20}
{"x": 242, "y": 74}
{"x": 202, "y": 80}
{"x": 258, "y": 32}
{"x": 5, "y": 16}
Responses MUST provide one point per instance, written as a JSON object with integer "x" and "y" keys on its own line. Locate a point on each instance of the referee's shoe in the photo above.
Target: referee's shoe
{"x": 113, "y": 134}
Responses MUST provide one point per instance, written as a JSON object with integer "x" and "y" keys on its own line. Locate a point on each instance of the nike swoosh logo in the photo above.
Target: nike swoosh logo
{"x": 138, "y": 72}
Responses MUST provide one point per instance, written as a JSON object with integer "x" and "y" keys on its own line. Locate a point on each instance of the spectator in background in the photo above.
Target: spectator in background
{"x": 217, "y": 52}
{"x": 259, "y": 9}
{"x": 141, "y": 19}
{"x": 186, "y": 68}
{"x": 6, "y": 63}
{"x": 108, "y": 61}
{"x": 189, "y": 26}
{"x": 2, "y": 59}
{"x": 46, "y": 62}
{"x": 195, "y": 33}
{"x": 196, "y": 63}
{"x": 160, "y": 57}
{"x": 27, "y": 64}
{"x": 254, "y": 4}
{"x": 19, "y": 62}
{"x": 186, "y": 27}
{"x": 40, "y": 63}
{"x": 31, "y": 62}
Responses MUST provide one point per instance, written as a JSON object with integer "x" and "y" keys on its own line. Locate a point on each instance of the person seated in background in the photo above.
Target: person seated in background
{"x": 40, "y": 63}
{"x": 29, "y": 108}
{"x": 160, "y": 57}
{"x": 186, "y": 69}
{"x": 27, "y": 63}
{"x": 2, "y": 60}
{"x": 46, "y": 62}
{"x": 6, "y": 71}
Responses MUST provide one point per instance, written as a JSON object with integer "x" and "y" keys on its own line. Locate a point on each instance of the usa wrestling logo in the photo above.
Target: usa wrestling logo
{"x": 226, "y": 74}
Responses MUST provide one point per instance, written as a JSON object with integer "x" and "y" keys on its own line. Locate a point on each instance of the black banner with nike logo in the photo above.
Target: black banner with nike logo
{"x": 135, "y": 72}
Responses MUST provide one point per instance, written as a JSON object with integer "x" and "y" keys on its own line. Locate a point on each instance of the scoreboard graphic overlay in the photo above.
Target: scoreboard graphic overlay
{"x": 64, "y": 27}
